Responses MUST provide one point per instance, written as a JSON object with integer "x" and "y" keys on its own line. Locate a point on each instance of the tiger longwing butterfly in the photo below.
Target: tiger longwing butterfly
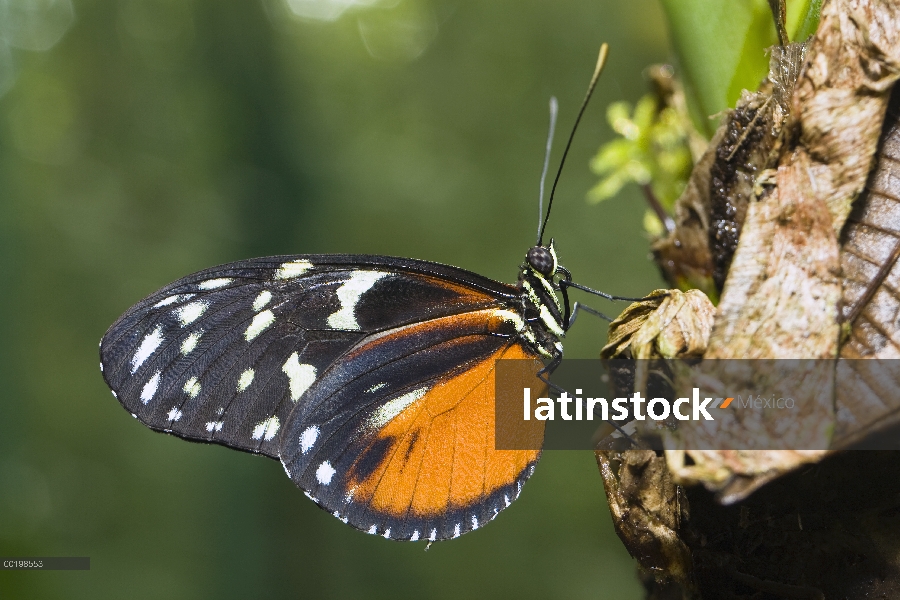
{"x": 369, "y": 377}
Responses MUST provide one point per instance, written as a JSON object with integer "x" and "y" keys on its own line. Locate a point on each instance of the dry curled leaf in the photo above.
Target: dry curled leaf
{"x": 783, "y": 289}
{"x": 782, "y": 295}
{"x": 871, "y": 244}
{"x": 665, "y": 324}
{"x": 752, "y": 138}
{"x": 866, "y": 401}
{"x": 647, "y": 509}
{"x": 710, "y": 212}
{"x": 783, "y": 298}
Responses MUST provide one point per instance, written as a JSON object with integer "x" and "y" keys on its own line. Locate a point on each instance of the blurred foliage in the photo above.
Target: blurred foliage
{"x": 653, "y": 150}
{"x": 141, "y": 140}
{"x": 720, "y": 47}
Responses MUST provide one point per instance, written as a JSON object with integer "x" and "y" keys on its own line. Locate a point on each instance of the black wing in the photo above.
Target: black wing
{"x": 226, "y": 354}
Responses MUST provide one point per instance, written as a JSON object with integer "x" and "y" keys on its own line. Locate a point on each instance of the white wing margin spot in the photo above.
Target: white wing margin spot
{"x": 308, "y": 438}
{"x": 267, "y": 429}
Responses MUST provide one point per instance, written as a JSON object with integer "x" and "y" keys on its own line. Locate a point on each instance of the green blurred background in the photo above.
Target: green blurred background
{"x": 141, "y": 140}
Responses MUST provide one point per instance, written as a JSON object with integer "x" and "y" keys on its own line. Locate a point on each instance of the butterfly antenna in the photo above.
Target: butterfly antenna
{"x": 554, "y": 110}
{"x": 601, "y": 61}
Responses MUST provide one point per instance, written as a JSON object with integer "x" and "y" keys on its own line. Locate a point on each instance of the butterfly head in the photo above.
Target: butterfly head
{"x": 542, "y": 260}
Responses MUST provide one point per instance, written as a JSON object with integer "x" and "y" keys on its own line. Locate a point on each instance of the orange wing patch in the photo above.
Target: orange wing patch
{"x": 439, "y": 454}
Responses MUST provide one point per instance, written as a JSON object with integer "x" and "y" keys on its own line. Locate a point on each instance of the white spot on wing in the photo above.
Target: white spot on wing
{"x": 259, "y": 324}
{"x": 456, "y": 530}
{"x": 349, "y": 294}
{"x": 267, "y": 429}
{"x": 189, "y": 313}
{"x": 260, "y": 302}
{"x": 373, "y": 530}
{"x": 374, "y": 388}
{"x": 387, "y": 533}
{"x": 190, "y": 342}
{"x": 392, "y": 408}
{"x": 245, "y": 380}
{"x": 433, "y": 535}
{"x": 292, "y": 269}
{"x": 506, "y": 499}
{"x": 174, "y": 414}
{"x": 192, "y": 387}
{"x": 214, "y": 426}
{"x": 300, "y": 376}
{"x": 211, "y": 284}
{"x": 474, "y": 522}
{"x": 173, "y": 299}
{"x": 149, "y": 388}
{"x": 148, "y": 346}
{"x": 415, "y": 536}
{"x": 101, "y": 367}
{"x": 308, "y": 438}
{"x": 324, "y": 473}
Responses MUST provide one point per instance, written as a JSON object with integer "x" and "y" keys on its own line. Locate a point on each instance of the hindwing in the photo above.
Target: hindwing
{"x": 397, "y": 438}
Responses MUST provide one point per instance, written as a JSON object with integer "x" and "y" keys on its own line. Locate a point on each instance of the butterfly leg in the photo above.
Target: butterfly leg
{"x": 579, "y": 306}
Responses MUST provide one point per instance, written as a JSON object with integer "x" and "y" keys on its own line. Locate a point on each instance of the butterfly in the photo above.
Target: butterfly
{"x": 370, "y": 378}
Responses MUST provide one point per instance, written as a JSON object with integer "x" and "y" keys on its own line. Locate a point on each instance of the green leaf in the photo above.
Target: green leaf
{"x": 653, "y": 150}
{"x": 721, "y": 47}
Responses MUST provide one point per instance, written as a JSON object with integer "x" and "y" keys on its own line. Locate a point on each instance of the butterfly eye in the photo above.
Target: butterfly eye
{"x": 541, "y": 260}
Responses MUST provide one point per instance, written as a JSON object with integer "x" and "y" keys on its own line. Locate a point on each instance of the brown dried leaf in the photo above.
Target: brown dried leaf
{"x": 841, "y": 98}
{"x": 710, "y": 212}
{"x": 781, "y": 296}
{"x": 866, "y": 399}
{"x": 783, "y": 289}
{"x": 665, "y": 324}
{"x": 683, "y": 256}
{"x": 871, "y": 243}
{"x": 735, "y": 474}
{"x": 782, "y": 299}
{"x": 782, "y": 293}
{"x": 647, "y": 509}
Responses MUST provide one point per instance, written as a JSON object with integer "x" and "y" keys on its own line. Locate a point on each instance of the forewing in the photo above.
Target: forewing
{"x": 225, "y": 355}
{"x": 397, "y": 437}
